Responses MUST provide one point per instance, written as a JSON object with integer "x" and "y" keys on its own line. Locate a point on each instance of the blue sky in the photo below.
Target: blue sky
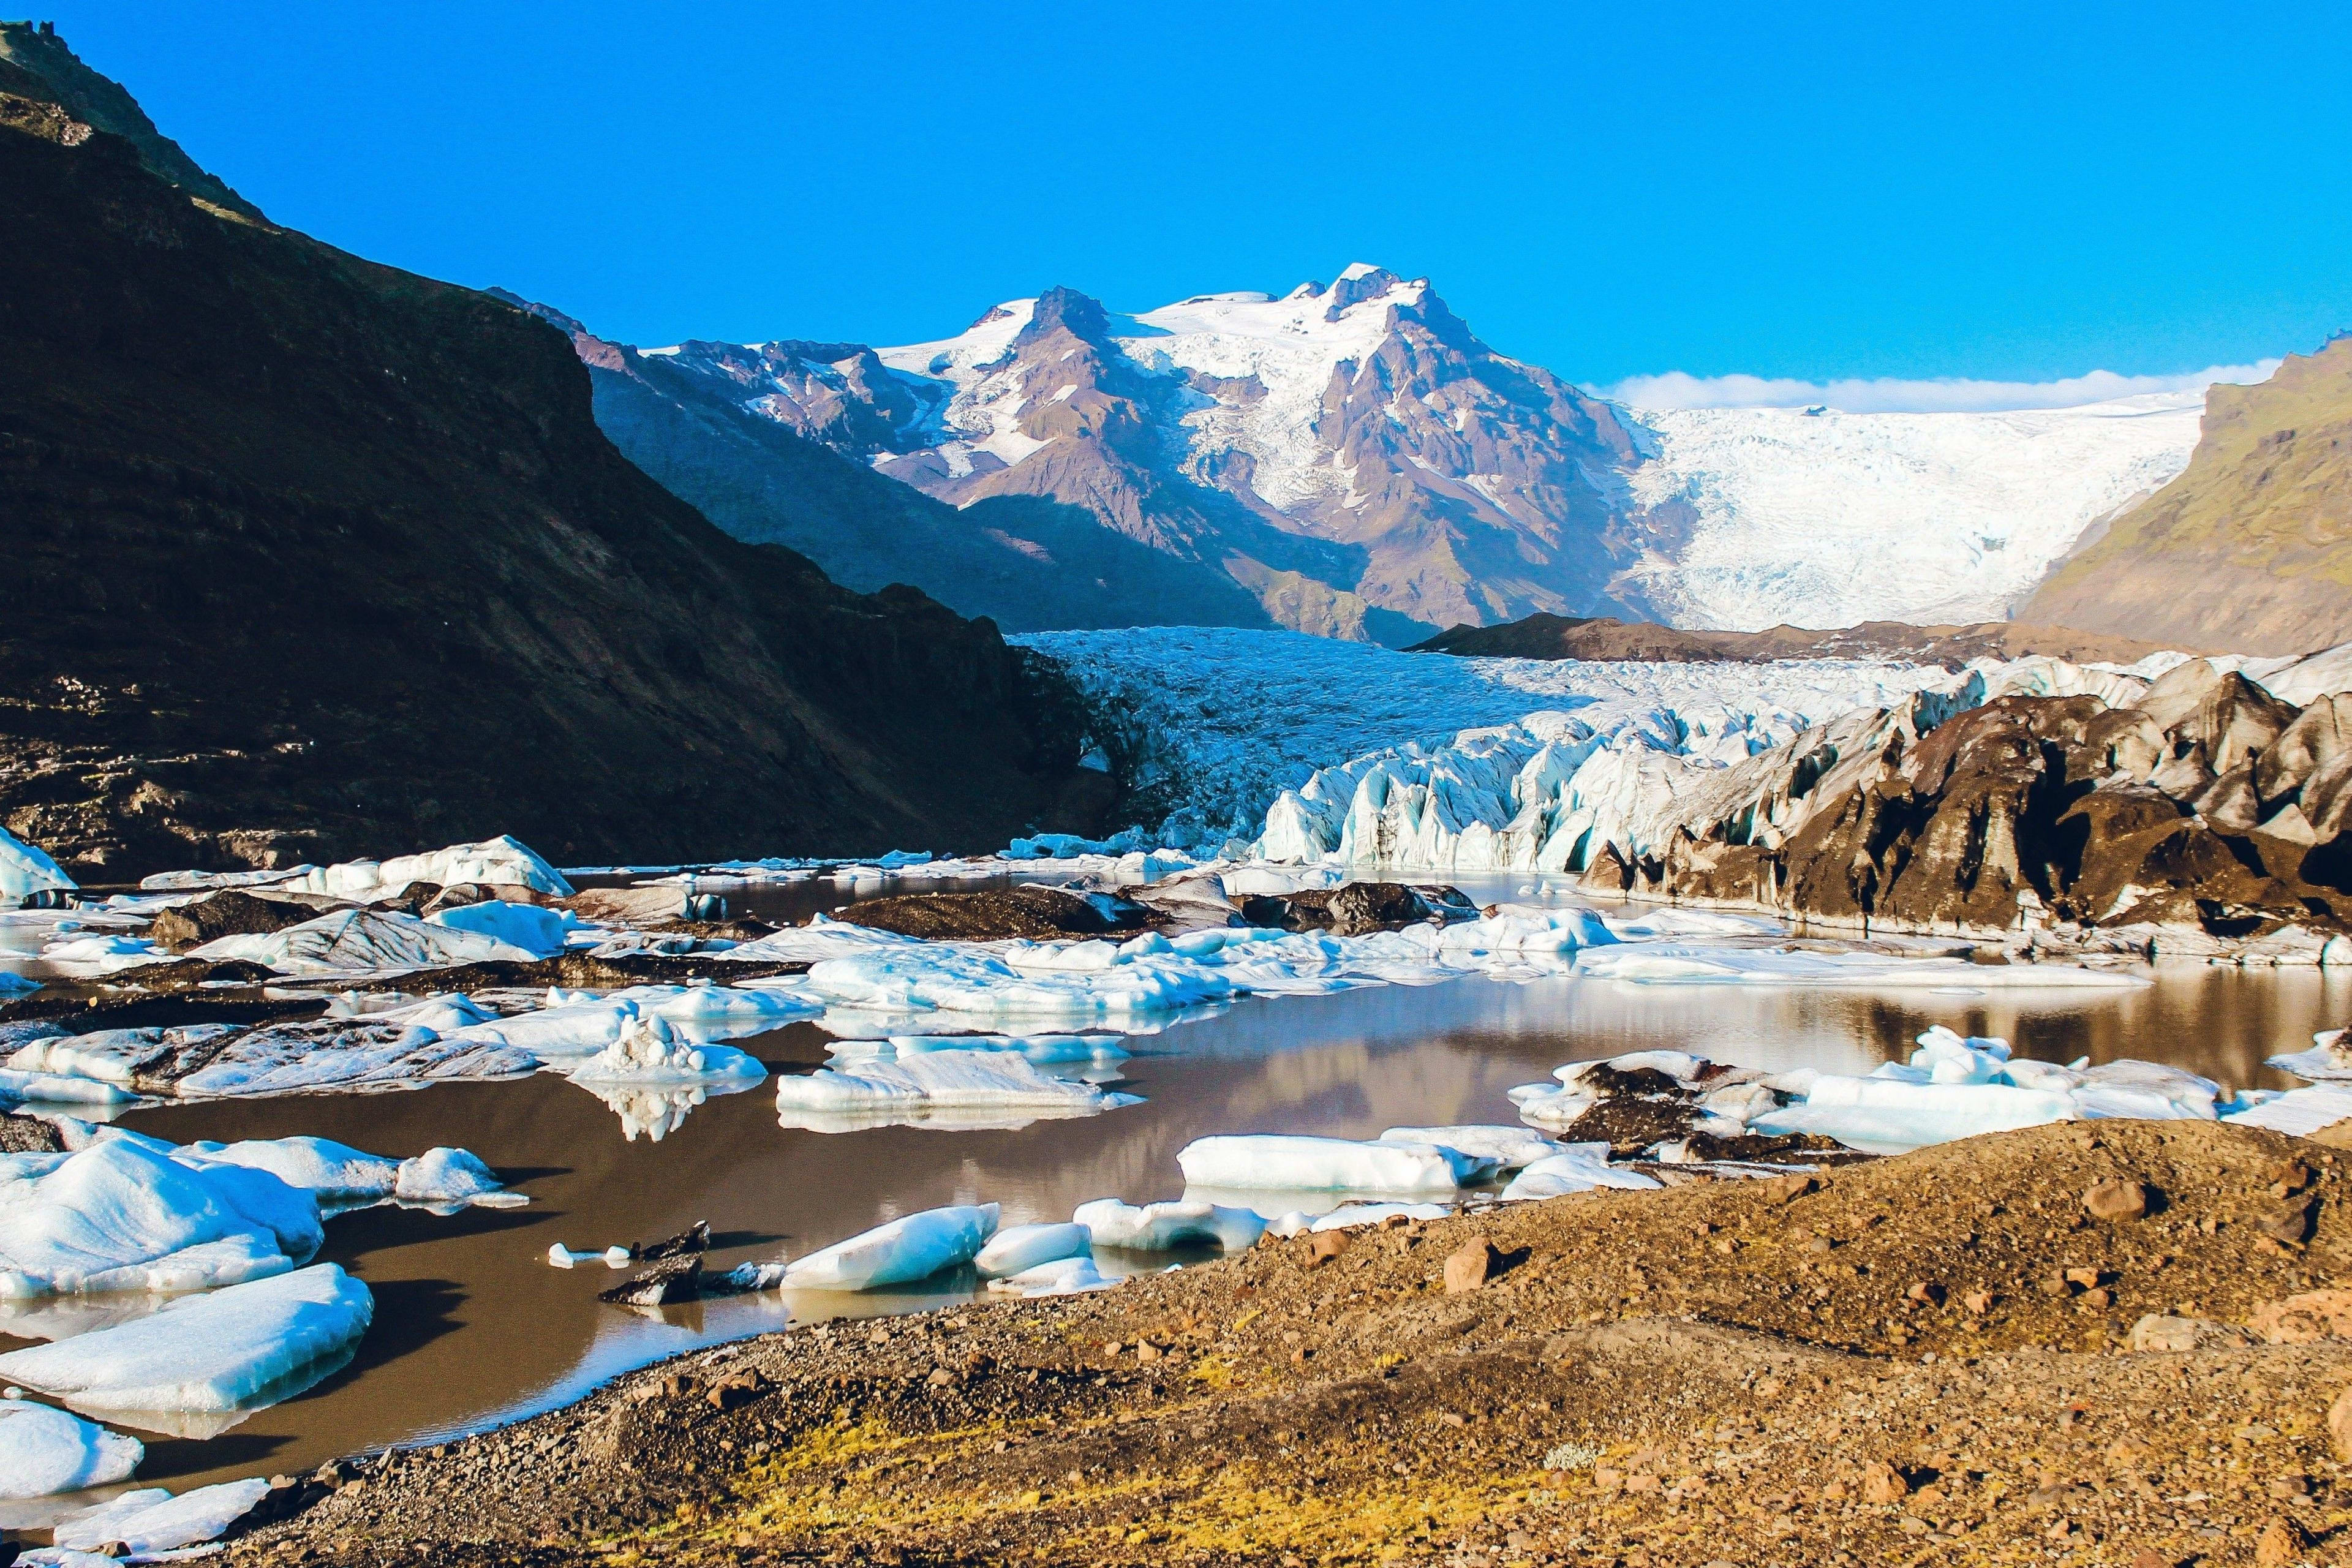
{"x": 2011, "y": 193}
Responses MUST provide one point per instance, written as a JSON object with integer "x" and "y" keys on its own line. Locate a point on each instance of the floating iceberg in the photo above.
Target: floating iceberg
{"x": 2299, "y": 1112}
{"x": 1162, "y": 1227}
{"x": 227, "y": 1349}
{"x": 950, "y": 1079}
{"x": 562, "y": 1257}
{"x": 1276, "y": 1162}
{"x": 442, "y": 1176}
{"x": 27, "y": 870}
{"x": 123, "y": 1214}
{"x": 44, "y": 1450}
{"x": 2330, "y": 1058}
{"x": 649, "y": 1051}
{"x": 1674, "y": 963}
{"x": 152, "y": 1521}
{"x": 1018, "y": 1248}
{"x": 914, "y": 1247}
{"x": 215, "y": 1060}
{"x": 340, "y": 1175}
{"x": 503, "y": 861}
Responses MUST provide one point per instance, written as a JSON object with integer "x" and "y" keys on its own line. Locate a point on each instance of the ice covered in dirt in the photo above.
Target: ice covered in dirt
{"x": 503, "y": 861}
{"x": 364, "y": 941}
{"x": 227, "y": 1349}
{"x": 900, "y": 1252}
{"x": 151, "y": 1520}
{"x": 1162, "y": 1227}
{"x": 44, "y": 1450}
{"x": 1263, "y": 1162}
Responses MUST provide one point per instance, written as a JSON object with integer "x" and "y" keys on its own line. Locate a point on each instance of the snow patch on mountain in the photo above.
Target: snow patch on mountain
{"x": 1817, "y": 518}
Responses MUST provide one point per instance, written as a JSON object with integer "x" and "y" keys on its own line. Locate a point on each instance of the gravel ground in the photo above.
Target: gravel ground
{"x": 1923, "y": 1359}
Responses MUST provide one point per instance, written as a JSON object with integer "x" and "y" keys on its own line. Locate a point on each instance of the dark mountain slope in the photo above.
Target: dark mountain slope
{"x": 313, "y": 556}
{"x": 1030, "y": 563}
{"x": 2251, "y": 548}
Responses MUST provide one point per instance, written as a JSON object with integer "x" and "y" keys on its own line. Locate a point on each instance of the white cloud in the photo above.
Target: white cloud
{"x": 1888, "y": 394}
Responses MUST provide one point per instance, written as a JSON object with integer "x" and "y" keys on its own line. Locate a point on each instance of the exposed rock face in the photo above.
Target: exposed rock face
{"x": 1355, "y": 909}
{"x": 1606, "y": 638}
{"x": 2194, "y": 807}
{"x": 331, "y": 560}
{"x": 750, "y": 437}
{"x": 2251, "y": 548}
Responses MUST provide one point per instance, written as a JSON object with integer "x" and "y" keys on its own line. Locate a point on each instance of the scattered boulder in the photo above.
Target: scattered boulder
{"x": 1882, "y": 1483}
{"x": 2117, "y": 1199}
{"x": 1471, "y": 1266}
{"x": 1357, "y": 909}
{"x": 229, "y": 912}
{"x": 2290, "y": 1224}
{"x": 2161, "y": 1331}
{"x": 2305, "y": 1319}
{"x": 1324, "y": 1246}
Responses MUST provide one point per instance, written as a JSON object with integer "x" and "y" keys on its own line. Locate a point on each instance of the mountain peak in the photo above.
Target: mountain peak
{"x": 1081, "y": 315}
{"x": 1360, "y": 282}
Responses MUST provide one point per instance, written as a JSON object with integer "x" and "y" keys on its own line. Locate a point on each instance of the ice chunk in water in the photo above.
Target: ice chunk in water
{"x": 503, "y": 861}
{"x": 913, "y": 1247}
{"x": 1062, "y": 1277}
{"x": 1285, "y": 1162}
{"x": 1890, "y": 1116}
{"x": 537, "y": 930}
{"x": 446, "y": 1175}
{"x": 1509, "y": 1147}
{"x": 649, "y": 1050}
{"x": 44, "y": 1450}
{"x": 1019, "y": 1247}
{"x": 946, "y": 1077}
{"x": 320, "y": 1165}
{"x": 151, "y": 1520}
{"x": 87, "y": 1220}
{"x": 222, "y": 1351}
{"x": 1158, "y": 1227}
{"x": 25, "y": 870}
{"x": 361, "y": 940}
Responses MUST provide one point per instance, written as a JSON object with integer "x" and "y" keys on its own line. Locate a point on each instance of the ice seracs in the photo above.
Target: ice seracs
{"x": 225, "y": 1351}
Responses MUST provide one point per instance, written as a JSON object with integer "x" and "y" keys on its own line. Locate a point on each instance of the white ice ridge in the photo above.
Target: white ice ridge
{"x": 44, "y": 1450}
{"x": 223, "y": 1351}
{"x": 150, "y": 1520}
{"x": 922, "y": 1080}
{"x": 1821, "y": 518}
{"x": 1221, "y": 720}
{"x": 900, "y": 1252}
{"x": 27, "y": 870}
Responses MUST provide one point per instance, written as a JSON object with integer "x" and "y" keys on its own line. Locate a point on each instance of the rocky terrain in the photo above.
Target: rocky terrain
{"x": 2207, "y": 806}
{"x": 2251, "y": 548}
{"x": 332, "y": 559}
{"x": 1606, "y": 638}
{"x": 2100, "y": 1344}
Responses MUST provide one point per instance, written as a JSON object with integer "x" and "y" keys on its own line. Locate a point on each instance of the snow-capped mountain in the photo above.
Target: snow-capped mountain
{"x": 1361, "y": 463}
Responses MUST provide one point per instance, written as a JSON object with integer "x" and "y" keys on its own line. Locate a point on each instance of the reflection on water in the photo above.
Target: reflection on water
{"x": 472, "y": 1325}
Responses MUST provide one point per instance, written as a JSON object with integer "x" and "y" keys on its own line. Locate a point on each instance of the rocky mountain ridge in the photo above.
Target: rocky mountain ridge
{"x": 332, "y": 559}
{"x": 1353, "y": 453}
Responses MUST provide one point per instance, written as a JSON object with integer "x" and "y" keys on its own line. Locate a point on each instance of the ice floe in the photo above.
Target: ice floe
{"x": 1577, "y": 1168}
{"x": 562, "y": 1257}
{"x": 225, "y": 1351}
{"x": 341, "y": 1175}
{"x": 1509, "y": 1147}
{"x": 44, "y": 1450}
{"x": 1262, "y": 1162}
{"x": 151, "y": 1520}
{"x": 905, "y": 1249}
{"x": 535, "y": 929}
{"x": 497, "y": 862}
{"x": 1017, "y": 1248}
{"x": 2330, "y": 1058}
{"x": 919, "y": 1082}
{"x": 363, "y": 941}
{"x": 1818, "y": 965}
{"x": 1162, "y": 1227}
{"x": 649, "y": 1050}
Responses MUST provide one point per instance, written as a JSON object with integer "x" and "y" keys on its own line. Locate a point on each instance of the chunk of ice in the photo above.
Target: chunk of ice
{"x": 946, "y": 1077}
{"x": 44, "y": 1450}
{"x": 648, "y": 1050}
{"x": 1352, "y": 1216}
{"x": 25, "y": 870}
{"x": 1020, "y": 1247}
{"x": 1162, "y": 1226}
{"x": 537, "y": 930}
{"x": 1577, "y": 1168}
{"x": 913, "y": 1247}
{"x": 1285, "y": 1161}
{"x": 1062, "y": 1277}
{"x": 225, "y": 1349}
{"x": 503, "y": 861}
{"x": 151, "y": 1520}
{"x": 1509, "y": 1147}
{"x": 99, "y": 1218}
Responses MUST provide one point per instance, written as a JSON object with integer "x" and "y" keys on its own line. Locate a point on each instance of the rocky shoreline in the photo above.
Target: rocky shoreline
{"x": 1974, "y": 1352}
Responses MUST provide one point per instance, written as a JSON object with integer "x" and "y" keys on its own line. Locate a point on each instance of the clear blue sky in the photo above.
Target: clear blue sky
{"x": 1990, "y": 190}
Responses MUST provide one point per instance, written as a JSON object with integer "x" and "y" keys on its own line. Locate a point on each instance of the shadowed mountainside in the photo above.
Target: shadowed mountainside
{"x": 1605, "y": 637}
{"x": 314, "y": 557}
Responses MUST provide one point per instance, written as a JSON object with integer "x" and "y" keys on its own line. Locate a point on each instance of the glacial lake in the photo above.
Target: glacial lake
{"x": 474, "y": 1328}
